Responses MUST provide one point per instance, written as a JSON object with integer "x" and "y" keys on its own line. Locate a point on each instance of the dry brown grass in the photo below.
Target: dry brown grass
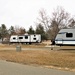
{"x": 22, "y": 45}
{"x": 41, "y": 57}
{"x": 64, "y": 58}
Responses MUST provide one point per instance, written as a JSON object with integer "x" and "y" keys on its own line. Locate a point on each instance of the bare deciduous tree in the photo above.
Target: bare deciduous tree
{"x": 71, "y": 22}
{"x": 60, "y": 19}
{"x": 22, "y": 31}
{"x": 44, "y": 19}
{"x": 19, "y": 30}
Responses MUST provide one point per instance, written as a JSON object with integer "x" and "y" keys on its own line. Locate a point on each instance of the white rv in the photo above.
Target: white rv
{"x": 33, "y": 38}
{"x": 65, "y": 37}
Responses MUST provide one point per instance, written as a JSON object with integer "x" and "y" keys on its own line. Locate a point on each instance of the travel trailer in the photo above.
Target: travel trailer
{"x": 33, "y": 38}
{"x": 65, "y": 37}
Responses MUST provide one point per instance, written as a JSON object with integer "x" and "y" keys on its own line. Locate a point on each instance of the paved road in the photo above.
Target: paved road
{"x": 10, "y": 68}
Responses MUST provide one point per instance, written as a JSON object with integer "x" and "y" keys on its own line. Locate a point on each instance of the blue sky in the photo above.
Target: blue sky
{"x": 24, "y": 13}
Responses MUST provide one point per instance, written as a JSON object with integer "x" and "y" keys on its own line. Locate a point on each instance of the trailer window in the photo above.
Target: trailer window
{"x": 14, "y": 38}
{"x": 69, "y": 35}
{"x": 34, "y": 38}
{"x": 26, "y": 37}
{"x": 20, "y": 37}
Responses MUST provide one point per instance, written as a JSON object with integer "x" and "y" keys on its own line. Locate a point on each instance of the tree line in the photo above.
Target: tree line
{"x": 6, "y": 33}
{"x": 47, "y": 26}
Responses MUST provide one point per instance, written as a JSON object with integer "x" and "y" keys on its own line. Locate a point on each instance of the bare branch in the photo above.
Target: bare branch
{"x": 44, "y": 19}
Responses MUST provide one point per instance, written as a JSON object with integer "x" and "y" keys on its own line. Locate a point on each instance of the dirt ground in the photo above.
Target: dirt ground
{"x": 62, "y": 59}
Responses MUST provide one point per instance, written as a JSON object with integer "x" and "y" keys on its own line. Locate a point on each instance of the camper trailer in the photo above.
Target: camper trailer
{"x": 65, "y": 37}
{"x": 33, "y": 38}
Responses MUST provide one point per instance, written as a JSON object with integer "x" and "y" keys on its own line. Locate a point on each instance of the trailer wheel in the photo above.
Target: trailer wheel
{"x": 26, "y": 43}
{"x": 30, "y": 43}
